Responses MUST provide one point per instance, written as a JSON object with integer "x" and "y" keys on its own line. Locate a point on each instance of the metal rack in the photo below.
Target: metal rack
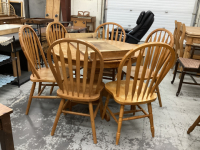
{"x": 4, "y": 59}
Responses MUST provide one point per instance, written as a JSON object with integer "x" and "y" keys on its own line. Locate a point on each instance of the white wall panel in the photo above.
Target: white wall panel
{"x": 126, "y": 12}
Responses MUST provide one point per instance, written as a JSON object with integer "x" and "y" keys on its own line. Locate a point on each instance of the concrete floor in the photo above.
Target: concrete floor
{"x": 171, "y": 122}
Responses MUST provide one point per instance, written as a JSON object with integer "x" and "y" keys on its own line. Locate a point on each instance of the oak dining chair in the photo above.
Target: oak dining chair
{"x": 103, "y": 32}
{"x": 78, "y": 89}
{"x": 32, "y": 49}
{"x": 135, "y": 92}
{"x": 158, "y": 35}
{"x": 55, "y": 31}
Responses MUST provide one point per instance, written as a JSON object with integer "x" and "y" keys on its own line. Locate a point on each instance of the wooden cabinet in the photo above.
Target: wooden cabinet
{"x": 53, "y": 9}
{"x": 84, "y": 21}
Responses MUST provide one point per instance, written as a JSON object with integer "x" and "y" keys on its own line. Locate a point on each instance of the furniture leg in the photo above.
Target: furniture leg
{"x": 119, "y": 124}
{"x": 175, "y": 71}
{"x": 92, "y": 122}
{"x": 180, "y": 83}
{"x": 30, "y": 97}
{"x": 133, "y": 107}
{"x": 194, "y": 125}
{"x": 70, "y": 106}
{"x": 151, "y": 118}
{"x": 14, "y": 64}
{"x": 105, "y": 107}
{"x": 159, "y": 97}
{"x": 52, "y": 88}
{"x": 57, "y": 116}
{"x": 39, "y": 87}
{"x": 6, "y": 137}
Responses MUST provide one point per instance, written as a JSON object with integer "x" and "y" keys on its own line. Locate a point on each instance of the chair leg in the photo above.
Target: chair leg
{"x": 105, "y": 107}
{"x": 70, "y": 105}
{"x": 175, "y": 71}
{"x": 92, "y": 122}
{"x": 133, "y": 107}
{"x": 159, "y": 97}
{"x": 121, "y": 113}
{"x": 52, "y": 88}
{"x": 57, "y": 116}
{"x": 101, "y": 105}
{"x": 30, "y": 97}
{"x": 151, "y": 118}
{"x": 180, "y": 83}
{"x": 39, "y": 87}
{"x": 193, "y": 125}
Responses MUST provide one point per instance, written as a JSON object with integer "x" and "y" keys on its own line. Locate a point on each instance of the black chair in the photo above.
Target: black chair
{"x": 144, "y": 22}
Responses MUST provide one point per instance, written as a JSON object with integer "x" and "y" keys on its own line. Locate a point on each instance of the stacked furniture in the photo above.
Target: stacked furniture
{"x": 7, "y": 14}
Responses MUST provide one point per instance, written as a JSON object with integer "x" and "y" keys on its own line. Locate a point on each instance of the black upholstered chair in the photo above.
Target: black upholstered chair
{"x": 144, "y": 22}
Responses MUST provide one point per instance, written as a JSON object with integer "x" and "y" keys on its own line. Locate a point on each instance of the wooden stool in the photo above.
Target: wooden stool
{"x": 196, "y": 123}
{"x": 6, "y": 137}
{"x": 189, "y": 65}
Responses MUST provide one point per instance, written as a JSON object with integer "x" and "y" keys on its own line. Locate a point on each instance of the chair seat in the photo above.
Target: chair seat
{"x": 111, "y": 88}
{"x": 45, "y": 76}
{"x": 190, "y": 63}
{"x": 140, "y": 72}
{"x": 86, "y": 97}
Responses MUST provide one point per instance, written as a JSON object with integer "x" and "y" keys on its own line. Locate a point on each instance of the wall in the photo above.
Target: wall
{"x": 93, "y": 6}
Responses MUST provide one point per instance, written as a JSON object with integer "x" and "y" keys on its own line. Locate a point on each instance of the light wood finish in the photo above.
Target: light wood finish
{"x": 110, "y": 60}
{"x": 6, "y": 9}
{"x": 179, "y": 36}
{"x": 196, "y": 123}
{"x": 135, "y": 92}
{"x": 21, "y": 6}
{"x": 81, "y": 35}
{"x": 32, "y": 49}
{"x": 74, "y": 88}
{"x": 158, "y": 35}
{"x": 53, "y": 9}
{"x": 104, "y": 33}
{"x": 9, "y": 28}
{"x": 192, "y": 35}
{"x": 55, "y": 31}
{"x": 84, "y": 21}
{"x": 14, "y": 64}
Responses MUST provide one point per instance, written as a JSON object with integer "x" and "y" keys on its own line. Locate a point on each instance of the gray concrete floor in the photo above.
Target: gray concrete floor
{"x": 171, "y": 122}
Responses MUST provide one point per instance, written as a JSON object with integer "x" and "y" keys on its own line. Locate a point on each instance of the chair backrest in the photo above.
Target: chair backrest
{"x": 162, "y": 57}
{"x": 179, "y": 35}
{"x": 161, "y": 35}
{"x": 144, "y": 22}
{"x": 55, "y": 31}
{"x": 114, "y": 34}
{"x": 69, "y": 53}
{"x": 32, "y": 48}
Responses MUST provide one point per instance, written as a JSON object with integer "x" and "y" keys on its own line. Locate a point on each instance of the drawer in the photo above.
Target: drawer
{"x": 79, "y": 23}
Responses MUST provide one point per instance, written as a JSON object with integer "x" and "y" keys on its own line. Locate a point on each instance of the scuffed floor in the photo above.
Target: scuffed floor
{"x": 171, "y": 122}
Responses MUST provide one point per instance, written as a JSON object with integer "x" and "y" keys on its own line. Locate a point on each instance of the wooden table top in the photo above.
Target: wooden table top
{"x": 112, "y": 51}
{"x": 194, "y": 31}
{"x": 108, "y": 48}
{"x": 37, "y": 20}
{"x": 4, "y": 110}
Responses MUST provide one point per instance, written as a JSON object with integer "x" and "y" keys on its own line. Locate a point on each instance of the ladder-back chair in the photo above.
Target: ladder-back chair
{"x": 32, "y": 49}
{"x": 158, "y": 35}
{"x": 103, "y": 31}
{"x": 84, "y": 90}
{"x": 135, "y": 92}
